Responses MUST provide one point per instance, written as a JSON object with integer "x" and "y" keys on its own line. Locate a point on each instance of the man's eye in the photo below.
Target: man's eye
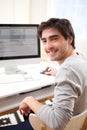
{"x": 54, "y": 39}
{"x": 44, "y": 41}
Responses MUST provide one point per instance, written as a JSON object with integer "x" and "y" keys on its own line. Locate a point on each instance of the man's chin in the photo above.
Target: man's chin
{"x": 52, "y": 59}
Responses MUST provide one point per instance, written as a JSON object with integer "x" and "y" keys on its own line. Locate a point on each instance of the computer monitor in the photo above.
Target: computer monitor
{"x": 19, "y": 45}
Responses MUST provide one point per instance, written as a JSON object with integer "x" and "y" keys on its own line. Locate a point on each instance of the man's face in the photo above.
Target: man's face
{"x": 55, "y": 45}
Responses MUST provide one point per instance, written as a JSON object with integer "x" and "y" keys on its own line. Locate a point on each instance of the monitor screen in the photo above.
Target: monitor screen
{"x": 19, "y": 44}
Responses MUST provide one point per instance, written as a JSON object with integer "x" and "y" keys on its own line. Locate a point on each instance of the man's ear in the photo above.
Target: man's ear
{"x": 70, "y": 39}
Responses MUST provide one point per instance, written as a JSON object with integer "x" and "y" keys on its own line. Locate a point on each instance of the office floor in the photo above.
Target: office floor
{"x": 10, "y": 119}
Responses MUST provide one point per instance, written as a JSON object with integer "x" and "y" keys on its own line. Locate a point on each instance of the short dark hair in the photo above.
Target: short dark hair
{"x": 62, "y": 25}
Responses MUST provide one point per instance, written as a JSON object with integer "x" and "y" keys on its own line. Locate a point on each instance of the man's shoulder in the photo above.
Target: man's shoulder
{"x": 75, "y": 62}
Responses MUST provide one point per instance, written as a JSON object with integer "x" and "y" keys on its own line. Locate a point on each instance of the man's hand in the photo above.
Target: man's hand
{"x": 24, "y": 108}
{"x": 28, "y": 104}
{"x": 50, "y": 71}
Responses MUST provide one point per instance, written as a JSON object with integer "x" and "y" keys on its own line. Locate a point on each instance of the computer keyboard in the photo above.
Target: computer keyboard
{"x": 16, "y": 84}
{"x": 11, "y": 78}
{"x": 31, "y": 72}
{"x": 14, "y": 78}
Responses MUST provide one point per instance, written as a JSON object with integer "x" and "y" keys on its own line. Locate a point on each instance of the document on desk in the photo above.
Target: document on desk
{"x": 25, "y": 85}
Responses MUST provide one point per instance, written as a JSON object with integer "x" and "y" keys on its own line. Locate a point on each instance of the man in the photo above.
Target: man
{"x": 58, "y": 40}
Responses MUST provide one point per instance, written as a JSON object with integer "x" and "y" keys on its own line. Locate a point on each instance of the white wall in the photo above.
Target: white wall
{"x": 14, "y": 11}
{"x": 22, "y": 11}
{"x": 38, "y": 11}
{"x": 81, "y": 45}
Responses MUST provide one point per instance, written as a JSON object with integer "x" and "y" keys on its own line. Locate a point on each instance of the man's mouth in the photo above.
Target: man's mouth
{"x": 52, "y": 52}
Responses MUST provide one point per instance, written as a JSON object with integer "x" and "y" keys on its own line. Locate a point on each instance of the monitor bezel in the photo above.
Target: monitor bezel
{"x": 27, "y": 56}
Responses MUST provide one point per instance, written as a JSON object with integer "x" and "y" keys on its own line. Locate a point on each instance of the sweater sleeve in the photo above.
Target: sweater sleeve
{"x": 67, "y": 90}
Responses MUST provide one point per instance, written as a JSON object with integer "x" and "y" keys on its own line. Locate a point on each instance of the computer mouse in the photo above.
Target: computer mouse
{"x": 42, "y": 72}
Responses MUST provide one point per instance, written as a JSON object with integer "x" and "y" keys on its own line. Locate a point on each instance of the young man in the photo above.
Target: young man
{"x": 70, "y": 96}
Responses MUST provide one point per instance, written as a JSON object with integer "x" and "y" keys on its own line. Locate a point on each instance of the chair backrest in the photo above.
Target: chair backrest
{"x": 78, "y": 122}
{"x": 36, "y": 123}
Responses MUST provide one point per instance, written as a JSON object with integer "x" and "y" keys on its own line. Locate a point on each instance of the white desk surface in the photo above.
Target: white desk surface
{"x": 33, "y": 80}
{"x": 10, "y": 89}
{"x": 8, "y": 101}
{"x": 12, "y": 102}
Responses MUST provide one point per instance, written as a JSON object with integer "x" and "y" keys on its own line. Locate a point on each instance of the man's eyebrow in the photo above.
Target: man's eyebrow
{"x": 52, "y": 36}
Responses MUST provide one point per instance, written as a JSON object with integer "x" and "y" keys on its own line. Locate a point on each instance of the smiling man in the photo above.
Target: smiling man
{"x": 70, "y": 93}
{"x": 58, "y": 41}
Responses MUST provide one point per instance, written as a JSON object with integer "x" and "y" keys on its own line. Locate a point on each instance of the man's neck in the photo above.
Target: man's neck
{"x": 70, "y": 53}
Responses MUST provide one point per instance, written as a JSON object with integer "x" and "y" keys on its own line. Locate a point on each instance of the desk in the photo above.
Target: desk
{"x": 11, "y": 103}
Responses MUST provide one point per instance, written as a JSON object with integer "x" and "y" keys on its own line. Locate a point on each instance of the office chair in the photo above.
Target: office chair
{"x": 78, "y": 122}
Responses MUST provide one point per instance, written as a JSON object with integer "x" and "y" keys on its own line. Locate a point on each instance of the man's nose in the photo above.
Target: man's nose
{"x": 48, "y": 45}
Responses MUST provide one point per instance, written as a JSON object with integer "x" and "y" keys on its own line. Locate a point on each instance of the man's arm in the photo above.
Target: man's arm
{"x": 29, "y": 103}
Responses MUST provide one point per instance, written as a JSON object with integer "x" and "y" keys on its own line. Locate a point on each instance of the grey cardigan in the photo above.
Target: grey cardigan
{"x": 69, "y": 93}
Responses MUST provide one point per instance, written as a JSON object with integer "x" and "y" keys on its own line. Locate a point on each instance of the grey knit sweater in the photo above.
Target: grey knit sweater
{"x": 69, "y": 93}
